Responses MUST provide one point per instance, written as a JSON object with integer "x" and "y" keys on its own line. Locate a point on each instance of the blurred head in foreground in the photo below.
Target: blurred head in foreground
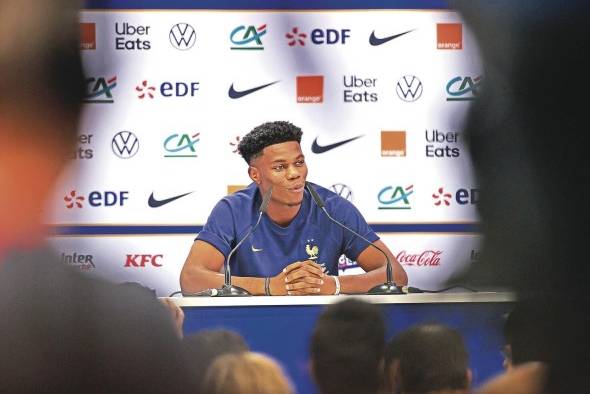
{"x": 347, "y": 348}
{"x": 41, "y": 88}
{"x": 246, "y": 373}
{"x": 427, "y": 358}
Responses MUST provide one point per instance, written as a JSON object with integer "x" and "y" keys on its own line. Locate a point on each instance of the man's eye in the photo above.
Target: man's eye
{"x": 300, "y": 163}
{"x": 279, "y": 167}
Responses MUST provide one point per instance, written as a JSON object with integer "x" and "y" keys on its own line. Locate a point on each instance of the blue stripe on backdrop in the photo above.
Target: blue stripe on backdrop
{"x": 265, "y": 4}
{"x": 67, "y": 230}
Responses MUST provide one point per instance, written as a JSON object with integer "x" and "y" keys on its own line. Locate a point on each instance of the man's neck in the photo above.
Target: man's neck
{"x": 282, "y": 214}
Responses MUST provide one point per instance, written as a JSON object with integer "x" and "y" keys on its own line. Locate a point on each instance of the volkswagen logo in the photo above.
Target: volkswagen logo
{"x": 342, "y": 190}
{"x": 125, "y": 144}
{"x": 409, "y": 88}
{"x": 182, "y": 36}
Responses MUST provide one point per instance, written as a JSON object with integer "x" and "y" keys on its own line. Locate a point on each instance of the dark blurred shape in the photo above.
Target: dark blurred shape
{"x": 201, "y": 349}
{"x": 427, "y": 358}
{"x": 62, "y": 332}
{"x": 347, "y": 348}
{"x": 525, "y": 331}
{"x": 40, "y": 65}
{"x": 527, "y": 133}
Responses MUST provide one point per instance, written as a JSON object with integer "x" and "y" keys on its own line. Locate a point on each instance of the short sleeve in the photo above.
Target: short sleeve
{"x": 348, "y": 214}
{"x": 219, "y": 229}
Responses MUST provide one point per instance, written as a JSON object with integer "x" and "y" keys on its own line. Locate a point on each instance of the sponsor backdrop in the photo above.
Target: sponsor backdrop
{"x": 381, "y": 96}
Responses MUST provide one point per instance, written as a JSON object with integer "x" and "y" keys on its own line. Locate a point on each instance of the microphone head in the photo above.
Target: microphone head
{"x": 318, "y": 200}
{"x": 265, "y": 201}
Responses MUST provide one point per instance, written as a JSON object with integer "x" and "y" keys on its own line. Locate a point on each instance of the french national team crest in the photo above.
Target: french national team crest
{"x": 312, "y": 250}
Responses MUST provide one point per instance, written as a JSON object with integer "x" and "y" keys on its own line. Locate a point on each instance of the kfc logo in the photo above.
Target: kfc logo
{"x": 428, "y": 258}
{"x": 141, "y": 260}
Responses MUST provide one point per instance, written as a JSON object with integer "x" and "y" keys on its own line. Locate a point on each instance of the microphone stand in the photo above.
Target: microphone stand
{"x": 389, "y": 287}
{"x": 228, "y": 290}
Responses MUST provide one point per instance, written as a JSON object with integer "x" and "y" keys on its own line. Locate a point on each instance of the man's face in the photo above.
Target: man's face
{"x": 283, "y": 167}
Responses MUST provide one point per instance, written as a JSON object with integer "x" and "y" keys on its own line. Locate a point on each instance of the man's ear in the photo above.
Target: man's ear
{"x": 254, "y": 174}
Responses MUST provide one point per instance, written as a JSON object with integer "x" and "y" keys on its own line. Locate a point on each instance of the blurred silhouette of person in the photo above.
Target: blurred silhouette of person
{"x": 61, "y": 332}
{"x": 347, "y": 348}
{"x": 246, "y": 373}
{"x": 427, "y": 359}
{"x": 202, "y": 348}
{"x": 526, "y": 132}
{"x": 525, "y": 330}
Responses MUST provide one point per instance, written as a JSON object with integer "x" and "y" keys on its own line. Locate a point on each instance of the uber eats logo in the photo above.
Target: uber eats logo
{"x": 130, "y": 37}
{"x": 442, "y": 144}
{"x": 359, "y": 90}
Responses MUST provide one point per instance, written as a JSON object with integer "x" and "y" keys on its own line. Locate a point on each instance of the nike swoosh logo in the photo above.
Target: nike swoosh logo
{"x": 152, "y": 202}
{"x": 236, "y": 94}
{"x": 378, "y": 41}
{"x": 255, "y": 249}
{"x": 316, "y": 148}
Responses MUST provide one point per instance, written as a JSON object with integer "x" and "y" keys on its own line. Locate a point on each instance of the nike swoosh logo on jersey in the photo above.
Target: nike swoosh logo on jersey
{"x": 378, "y": 41}
{"x": 152, "y": 202}
{"x": 236, "y": 94}
{"x": 255, "y": 249}
{"x": 316, "y": 148}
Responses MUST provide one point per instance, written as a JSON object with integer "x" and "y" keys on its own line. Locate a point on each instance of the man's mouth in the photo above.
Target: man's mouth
{"x": 297, "y": 188}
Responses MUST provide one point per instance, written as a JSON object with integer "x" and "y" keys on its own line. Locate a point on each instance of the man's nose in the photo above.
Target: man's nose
{"x": 293, "y": 172}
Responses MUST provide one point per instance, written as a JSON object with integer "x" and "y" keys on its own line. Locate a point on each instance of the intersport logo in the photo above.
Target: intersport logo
{"x": 426, "y": 258}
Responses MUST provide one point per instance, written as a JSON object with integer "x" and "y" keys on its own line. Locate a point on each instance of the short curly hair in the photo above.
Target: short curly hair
{"x": 269, "y": 133}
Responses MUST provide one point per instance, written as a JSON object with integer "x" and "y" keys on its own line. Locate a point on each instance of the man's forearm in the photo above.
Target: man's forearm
{"x": 361, "y": 283}
{"x": 195, "y": 280}
{"x": 356, "y": 284}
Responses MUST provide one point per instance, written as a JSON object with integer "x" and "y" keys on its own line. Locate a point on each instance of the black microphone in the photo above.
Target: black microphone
{"x": 227, "y": 290}
{"x": 389, "y": 287}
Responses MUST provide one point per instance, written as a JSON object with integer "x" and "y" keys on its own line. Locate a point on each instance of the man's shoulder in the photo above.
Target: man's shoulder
{"x": 242, "y": 198}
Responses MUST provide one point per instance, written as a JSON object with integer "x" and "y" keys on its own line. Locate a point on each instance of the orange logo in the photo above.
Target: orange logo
{"x": 310, "y": 89}
{"x": 87, "y": 36}
{"x": 393, "y": 143}
{"x": 231, "y": 189}
{"x": 449, "y": 36}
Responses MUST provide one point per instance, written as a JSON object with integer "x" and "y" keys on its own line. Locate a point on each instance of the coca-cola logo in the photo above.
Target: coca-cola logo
{"x": 428, "y": 258}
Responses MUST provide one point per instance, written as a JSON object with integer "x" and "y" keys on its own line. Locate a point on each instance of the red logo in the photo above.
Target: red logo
{"x": 87, "y": 36}
{"x": 428, "y": 258}
{"x": 449, "y": 36}
{"x": 310, "y": 89}
{"x": 295, "y": 37}
{"x": 141, "y": 260}
{"x": 144, "y": 90}
{"x": 441, "y": 197}
{"x": 72, "y": 200}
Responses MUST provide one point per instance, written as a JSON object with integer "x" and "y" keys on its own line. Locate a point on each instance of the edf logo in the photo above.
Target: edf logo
{"x": 141, "y": 260}
{"x": 318, "y": 37}
{"x": 167, "y": 89}
{"x": 96, "y": 199}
